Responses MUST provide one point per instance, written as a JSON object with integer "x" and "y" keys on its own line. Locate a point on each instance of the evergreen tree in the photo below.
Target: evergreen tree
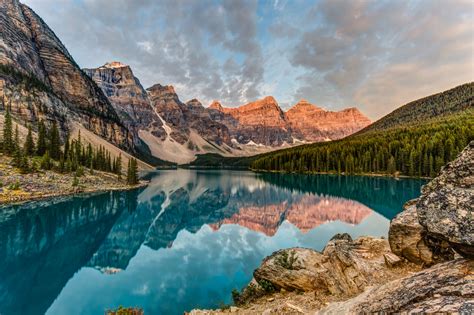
{"x": 54, "y": 142}
{"x": 41, "y": 145}
{"x": 391, "y": 168}
{"x": 16, "y": 140}
{"x": 118, "y": 166}
{"x": 132, "y": 172}
{"x": 8, "y": 147}
{"x": 29, "y": 147}
{"x": 46, "y": 163}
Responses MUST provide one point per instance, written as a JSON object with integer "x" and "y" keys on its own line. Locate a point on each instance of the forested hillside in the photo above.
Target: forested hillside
{"x": 415, "y": 140}
{"x": 445, "y": 103}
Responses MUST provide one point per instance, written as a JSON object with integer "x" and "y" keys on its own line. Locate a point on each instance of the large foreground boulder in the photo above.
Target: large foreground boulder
{"x": 445, "y": 288}
{"x": 446, "y": 206}
{"x": 344, "y": 267}
{"x": 409, "y": 239}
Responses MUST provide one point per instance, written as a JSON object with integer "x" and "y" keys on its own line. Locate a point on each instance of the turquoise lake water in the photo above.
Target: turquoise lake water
{"x": 183, "y": 242}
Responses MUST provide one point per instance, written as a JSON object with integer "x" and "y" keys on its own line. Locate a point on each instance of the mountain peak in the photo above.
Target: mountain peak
{"x": 114, "y": 65}
{"x": 194, "y": 102}
{"x": 216, "y": 105}
{"x": 304, "y": 105}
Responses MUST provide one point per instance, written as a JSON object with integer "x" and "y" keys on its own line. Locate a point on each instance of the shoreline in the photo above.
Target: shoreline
{"x": 45, "y": 197}
{"x": 17, "y": 188}
{"x": 342, "y": 174}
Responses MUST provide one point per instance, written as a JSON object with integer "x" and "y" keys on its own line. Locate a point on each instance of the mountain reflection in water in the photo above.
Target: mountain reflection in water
{"x": 185, "y": 241}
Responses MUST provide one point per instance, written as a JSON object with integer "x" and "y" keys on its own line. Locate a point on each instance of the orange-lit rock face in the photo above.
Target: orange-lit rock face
{"x": 306, "y": 213}
{"x": 261, "y": 122}
{"x": 312, "y": 123}
{"x": 264, "y": 112}
{"x": 264, "y": 122}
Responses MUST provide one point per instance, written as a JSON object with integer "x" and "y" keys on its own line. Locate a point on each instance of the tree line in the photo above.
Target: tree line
{"x": 418, "y": 151}
{"x": 47, "y": 152}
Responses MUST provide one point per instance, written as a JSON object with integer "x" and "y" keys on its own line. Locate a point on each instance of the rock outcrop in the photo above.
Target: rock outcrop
{"x": 441, "y": 219}
{"x": 344, "y": 268}
{"x": 408, "y": 239}
{"x": 40, "y": 80}
{"x": 442, "y": 289}
{"x": 446, "y": 206}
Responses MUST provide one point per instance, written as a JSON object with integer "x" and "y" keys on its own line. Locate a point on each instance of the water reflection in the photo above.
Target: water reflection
{"x": 185, "y": 241}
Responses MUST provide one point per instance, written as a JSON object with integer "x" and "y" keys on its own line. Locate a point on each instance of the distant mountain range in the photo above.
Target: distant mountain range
{"x": 177, "y": 131}
{"x": 39, "y": 80}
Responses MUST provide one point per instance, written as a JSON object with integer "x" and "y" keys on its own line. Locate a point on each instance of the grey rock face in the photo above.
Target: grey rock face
{"x": 409, "y": 239}
{"x": 445, "y": 288}
{"x": 127, "y": 96}
{"x": 446, "y": 206}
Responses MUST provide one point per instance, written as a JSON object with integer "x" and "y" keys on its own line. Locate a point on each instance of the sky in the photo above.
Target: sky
{"x": 374, "y": 55}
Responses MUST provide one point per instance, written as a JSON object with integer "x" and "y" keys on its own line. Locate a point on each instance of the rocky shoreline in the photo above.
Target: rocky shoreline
{"x": 18, "y": 188}
{"x": 425, "y": 266}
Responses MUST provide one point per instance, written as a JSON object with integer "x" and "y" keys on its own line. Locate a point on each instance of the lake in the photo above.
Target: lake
{"x": 183, "y": 242}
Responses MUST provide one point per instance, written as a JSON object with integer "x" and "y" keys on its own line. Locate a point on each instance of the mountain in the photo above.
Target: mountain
{"x": 40, "y": 80}
{"x": 264, "y": 122}
{"x": 314, "y": 124}
{"x": 127, "y": 96}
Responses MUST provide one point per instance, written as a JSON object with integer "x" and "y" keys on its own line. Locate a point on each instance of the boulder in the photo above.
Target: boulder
{"x": 408, "y": 239}
{"x": 446, "y": 206}
{"x": 344, "y": 267}
{"x": 444, "y": 288}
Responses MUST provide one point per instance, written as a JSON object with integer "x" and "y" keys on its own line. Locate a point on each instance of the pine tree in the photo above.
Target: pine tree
{"x": 54, "y": 142}
{"x": 132, "y": 172}
{"x": 16, "y": 140}
{"x": 118, "y": 166}
{"x": 8, "y": 147}
{"x": 41, "y": 145}
{"x": 29, "y": 147}
{"x": 391, "y": 168}
{"x": 46, "y": 163}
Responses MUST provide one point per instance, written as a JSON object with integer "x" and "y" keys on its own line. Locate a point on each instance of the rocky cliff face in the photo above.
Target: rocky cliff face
{"x": 39, "y": 78}
{"x": 184, "y": 118}
{"x": 127, "y": 96}
{"x": 262, "y": 122}
{"x": 313, "y": 124}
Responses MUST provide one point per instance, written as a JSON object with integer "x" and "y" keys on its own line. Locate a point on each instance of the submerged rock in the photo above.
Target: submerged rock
{"x": 446, "y": 206}
{"x": 445, "y": 288}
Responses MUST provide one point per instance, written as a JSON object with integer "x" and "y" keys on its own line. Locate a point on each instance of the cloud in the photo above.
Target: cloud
{"x": 184, "y": 43}
{"x": 380, "y": 55}
{"x": 376, "y": 55}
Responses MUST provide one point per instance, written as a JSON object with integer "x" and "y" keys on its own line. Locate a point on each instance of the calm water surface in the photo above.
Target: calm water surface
{"x": 183, "y": 242}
